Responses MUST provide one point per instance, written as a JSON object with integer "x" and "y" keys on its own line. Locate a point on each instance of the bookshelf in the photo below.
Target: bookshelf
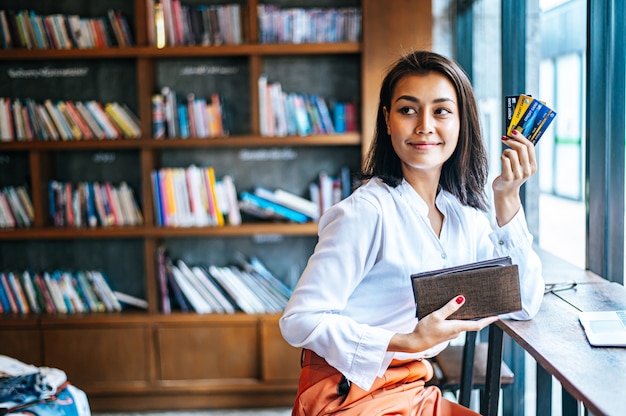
{"x": 149, "y": 360}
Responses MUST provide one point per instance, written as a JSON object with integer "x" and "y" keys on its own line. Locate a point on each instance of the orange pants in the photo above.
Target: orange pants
{"x": 400, "y": 392}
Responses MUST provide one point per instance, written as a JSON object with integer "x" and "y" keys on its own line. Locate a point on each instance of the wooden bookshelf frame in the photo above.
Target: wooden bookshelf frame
{"x": 147, "y": 360}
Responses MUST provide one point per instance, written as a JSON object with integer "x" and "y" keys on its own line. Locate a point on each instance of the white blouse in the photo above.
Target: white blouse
{"x": 356, "y": 293}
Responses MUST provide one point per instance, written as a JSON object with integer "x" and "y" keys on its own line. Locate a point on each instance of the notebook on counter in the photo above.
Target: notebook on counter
{"x": 605, "y": 328}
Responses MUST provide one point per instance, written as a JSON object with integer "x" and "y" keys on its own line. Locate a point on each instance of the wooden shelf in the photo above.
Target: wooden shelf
{"x": 246, "y": 229}
{"x": 345, "y": 139}
{"x": 183, "y": 51}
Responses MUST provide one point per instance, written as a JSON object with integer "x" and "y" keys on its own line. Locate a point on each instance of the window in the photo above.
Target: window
{"x": 560, "y": 81}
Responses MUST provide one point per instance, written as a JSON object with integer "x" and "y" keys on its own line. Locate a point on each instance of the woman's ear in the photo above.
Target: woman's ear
{"x": 386, "y": 114}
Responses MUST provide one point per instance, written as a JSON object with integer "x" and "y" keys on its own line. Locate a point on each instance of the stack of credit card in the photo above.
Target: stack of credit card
{"x": 529, "y": 116}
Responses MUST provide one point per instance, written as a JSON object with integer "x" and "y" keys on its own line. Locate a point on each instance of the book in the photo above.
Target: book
{"x": 75, "y": 130}
{"x": 158, "y": 116}
{"x": 123, "y": 120}
{"x": 289, "y": 200}
{"x": 196, "y": 301}
{"x": 214, "y": 207}
{"x": 216, "y": 291}
{"x": 92, "y": 300}
{"x": 255, "y": 265}
{"x": 165, "y": 305}
{"x": 59, "y": 123}
{"x": 18, "y": 293}
{"x": 159, "y": 25}
{"x": 157, "y": 201}
{"x": 67, "y": 285}
{"x": 42, "y": 288}
{"x": 174, "y": 288}
{"x": 10, "y": 295}
{"x": 284, "y": 212}
{"x": 72, "y": 112}
{"x": 55, "y": 293}
{"x": 490, "y": 287}
{"x": 199, "y": 213}
{"x": 4, "y": 296}
{"x": 201, "y": 289}
{"x": 104, "y": 291}
{"x": 29, "y": 290}
{"x": 129, "y": 300}
{"x": 98, "y": 113}
{"x": 95, "y": 128}
{"x": 235, "y": 289}
{"x": 234, "y": 214}
{"x": 90, "y": 205}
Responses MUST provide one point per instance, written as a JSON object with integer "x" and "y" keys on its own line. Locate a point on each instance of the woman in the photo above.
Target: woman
{"x": 353, "y": 310}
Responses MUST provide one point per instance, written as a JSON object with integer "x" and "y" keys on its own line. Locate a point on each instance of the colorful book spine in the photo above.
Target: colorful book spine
{"x": 284, "y": 212}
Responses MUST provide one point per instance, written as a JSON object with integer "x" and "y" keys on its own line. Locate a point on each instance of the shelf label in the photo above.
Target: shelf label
{"x": 47, "y": 72}
{"x": 103, "y": 157}
{"x": 208, "y": 70}
{"x": 267, "y": 238}
{"x": 285, "y": 153}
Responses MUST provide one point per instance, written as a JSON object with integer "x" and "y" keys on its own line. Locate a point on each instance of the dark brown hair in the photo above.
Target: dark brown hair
{"x": 465, "y": 173}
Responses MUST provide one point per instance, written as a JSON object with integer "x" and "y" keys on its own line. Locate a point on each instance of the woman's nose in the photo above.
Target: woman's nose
{"x": 424, "y": 123}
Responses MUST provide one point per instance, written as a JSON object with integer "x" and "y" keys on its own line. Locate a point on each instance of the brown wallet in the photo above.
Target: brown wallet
{"x": 490, "y": 288}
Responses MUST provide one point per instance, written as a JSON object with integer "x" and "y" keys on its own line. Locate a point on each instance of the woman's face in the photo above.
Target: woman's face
{"x": 423, "y": 122}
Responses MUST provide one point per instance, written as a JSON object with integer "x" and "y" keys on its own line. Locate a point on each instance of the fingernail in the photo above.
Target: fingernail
{"x": 505, "y": 137}
{"x": 514, "y": 131}
{"x": 460, "y": 300}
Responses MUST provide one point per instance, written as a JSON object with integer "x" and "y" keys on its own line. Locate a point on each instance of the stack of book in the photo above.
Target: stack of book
{"x": 16, "y": 207}
{"x": 192, "y": 117}
{"x": 57, "y": 292}
{"x": 175, "y": 24}
{"x": 92, "y": 204}
{"x": 314, "y": 25}
{"x": 27, "y": 120}
{"x": 282, "y": 205}
{"x": 27, "y": 29}
{"x": 278, "y": 205}
{"x": 248, "y": 287}
{"x": 194, "y": 197}
{"x": 283, "y": 114}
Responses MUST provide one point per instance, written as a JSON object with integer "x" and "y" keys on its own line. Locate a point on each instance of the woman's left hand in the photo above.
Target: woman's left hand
{"x": 518, "y": 164}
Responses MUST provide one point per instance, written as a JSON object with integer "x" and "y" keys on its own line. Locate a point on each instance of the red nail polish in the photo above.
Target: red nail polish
{"x": 514, "y": 131}
{"x": 460, "y": 299}
{"x": 505, "y": 138}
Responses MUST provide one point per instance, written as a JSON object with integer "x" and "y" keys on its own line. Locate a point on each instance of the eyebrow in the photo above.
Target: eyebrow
{"x": 417, "y": 100}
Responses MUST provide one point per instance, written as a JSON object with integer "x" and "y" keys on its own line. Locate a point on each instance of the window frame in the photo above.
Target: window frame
{"x": 604, "y": 137}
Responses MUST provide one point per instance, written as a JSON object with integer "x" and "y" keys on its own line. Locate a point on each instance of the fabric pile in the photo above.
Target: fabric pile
{"x": 29, "y": 390}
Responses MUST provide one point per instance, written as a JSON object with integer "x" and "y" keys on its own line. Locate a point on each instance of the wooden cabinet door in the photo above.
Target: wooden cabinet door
{"x": 279, "y": 360}
{"x": 22, "y": 344}
{"x": 95, "y": 358}
{"x": 211, "y": 350}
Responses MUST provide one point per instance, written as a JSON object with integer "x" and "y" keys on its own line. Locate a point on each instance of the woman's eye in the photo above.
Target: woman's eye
{"x": 407, "y": 110}
{"x": 442, "y": 111}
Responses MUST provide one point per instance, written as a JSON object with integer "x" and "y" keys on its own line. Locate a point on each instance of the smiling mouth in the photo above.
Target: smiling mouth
{"x": 423, "y": 145}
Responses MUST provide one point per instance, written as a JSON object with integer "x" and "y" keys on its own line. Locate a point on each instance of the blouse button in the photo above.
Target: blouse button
{"x": 444, "y": 256}
{"x": 501, "y": 242}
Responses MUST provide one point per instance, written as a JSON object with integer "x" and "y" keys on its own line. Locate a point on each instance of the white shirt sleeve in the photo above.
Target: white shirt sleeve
{"x": 313, "y": 318}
